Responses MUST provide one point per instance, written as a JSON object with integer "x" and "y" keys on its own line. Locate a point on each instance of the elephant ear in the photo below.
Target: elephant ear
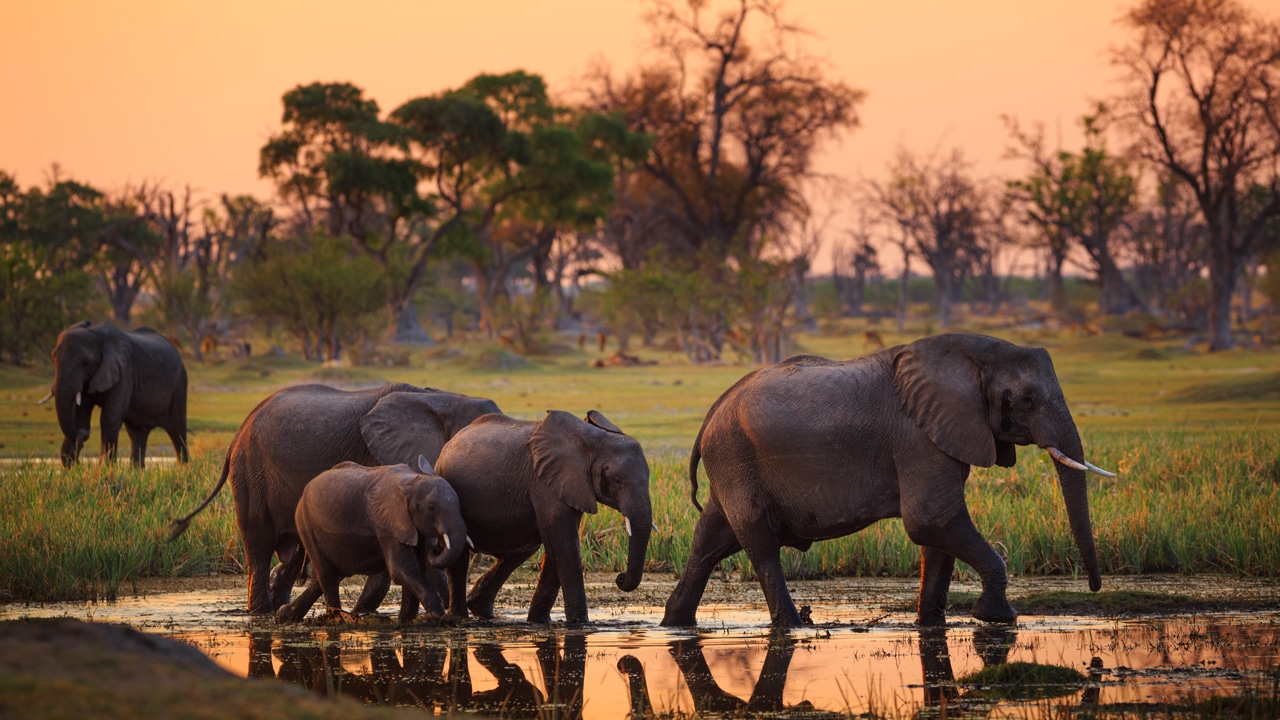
{"x": 939, "y": 386}
{"x": 388, "y": 499}
{"x": 596, "y": 418}
{"x": 404, "y": 425}
{"x": 110, "y": 370}
{"x": 562, "y": 459}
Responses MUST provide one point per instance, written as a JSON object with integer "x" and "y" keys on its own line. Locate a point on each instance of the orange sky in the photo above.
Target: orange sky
{"x": 119, "y": 91}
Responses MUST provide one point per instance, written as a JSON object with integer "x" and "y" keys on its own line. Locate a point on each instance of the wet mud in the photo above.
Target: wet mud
{"x": 862, "y": 655}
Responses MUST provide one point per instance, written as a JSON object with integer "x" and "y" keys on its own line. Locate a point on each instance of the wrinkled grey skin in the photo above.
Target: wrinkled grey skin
{"x": 525, "y": 484}
{"x": 810, "y": 449}
{"x": 355, "y": 519}
{"x": 136, "y": 377}
{"x": 298, "y": 433}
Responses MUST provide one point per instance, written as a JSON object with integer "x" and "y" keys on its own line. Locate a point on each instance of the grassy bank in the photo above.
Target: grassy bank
{"x": 1194, "y": 437}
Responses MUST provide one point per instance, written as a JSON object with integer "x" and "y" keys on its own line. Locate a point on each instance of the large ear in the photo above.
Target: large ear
{"x": 939, "y": 386}
{"x": 111, "y": 369}
{"x": 404, "y": 425}
{"x": 388, "y": 499}
{"x": 562, "y": 459}
{"x": 596, "y": 418}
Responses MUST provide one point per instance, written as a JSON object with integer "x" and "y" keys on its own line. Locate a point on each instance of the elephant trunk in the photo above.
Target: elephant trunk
{"x": 641, "y": 522}
{"x": 66, "y": 398}
{"x": 1075, "y": 494}
{"x": 450, "y": 545}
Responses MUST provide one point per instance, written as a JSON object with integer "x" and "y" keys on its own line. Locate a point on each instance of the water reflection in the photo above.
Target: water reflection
{"x": 431, "y": 675}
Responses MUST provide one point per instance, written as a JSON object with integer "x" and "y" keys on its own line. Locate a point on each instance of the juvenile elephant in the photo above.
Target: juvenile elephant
{"x": 298, "y": 433}
{"x": 810, "y": 449}
{"x": 525, "y": 484}
{"x": 136, "y": 377}
{"x": 355, "y": 519}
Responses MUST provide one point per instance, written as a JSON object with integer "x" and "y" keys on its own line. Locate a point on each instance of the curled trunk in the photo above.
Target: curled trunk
{"x": 641, "y": 528}
{"x": 444, "y": 555}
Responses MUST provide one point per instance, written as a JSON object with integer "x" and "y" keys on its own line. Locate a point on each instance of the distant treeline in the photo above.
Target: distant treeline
{"x": 676, "y": 200}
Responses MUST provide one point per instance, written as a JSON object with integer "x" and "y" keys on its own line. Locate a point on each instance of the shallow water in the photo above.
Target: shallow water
{"x": 859, "y": 658}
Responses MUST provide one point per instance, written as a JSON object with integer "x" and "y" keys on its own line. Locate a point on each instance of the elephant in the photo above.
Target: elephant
{"x": 525, "y": 484}
{"x": 137, "y": 378}
{"x": 810, "y": 448}
{"x": 359, "y": 519}
{"x": 301, "y": 431}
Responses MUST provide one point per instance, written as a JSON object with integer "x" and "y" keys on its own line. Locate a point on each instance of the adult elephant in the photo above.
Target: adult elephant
{"x": 525, "y": 484}
{"x": 136, "y": 377}
{"x": 810, "y": 449}
{"x": 301, "y": 431}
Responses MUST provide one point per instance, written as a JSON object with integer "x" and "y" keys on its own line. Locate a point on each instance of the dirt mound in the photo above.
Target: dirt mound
{"x": 621, "y": 359}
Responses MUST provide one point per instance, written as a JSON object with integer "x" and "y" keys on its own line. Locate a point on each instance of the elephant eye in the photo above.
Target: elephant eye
{"x": 1026, "y": 403}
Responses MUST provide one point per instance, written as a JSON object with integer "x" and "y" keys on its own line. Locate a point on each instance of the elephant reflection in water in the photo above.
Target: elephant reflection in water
{"x": 991, "y": 644}
{"x": 433, "y": 677}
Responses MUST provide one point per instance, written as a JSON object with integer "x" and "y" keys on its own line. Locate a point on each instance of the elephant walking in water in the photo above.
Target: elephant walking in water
{"x": 136, "y": 377}
{"x": 810, "y": 449}
{"x": 300, "y": 432}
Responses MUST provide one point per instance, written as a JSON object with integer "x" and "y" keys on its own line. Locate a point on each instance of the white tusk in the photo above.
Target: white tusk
{"x": 470, "y": 544}
{"x": 628, "y": 522}
{"x": 1057, "y": 455}
{"x": 447, "y": 545}
{"x": 46, "y": 399}
{"x": 1100, "y": 471}
{"x": 77, "y": 398}
{"x": 657, "y": 529}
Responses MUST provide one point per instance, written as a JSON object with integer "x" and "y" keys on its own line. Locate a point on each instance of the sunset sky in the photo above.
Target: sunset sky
{"x": 185, "y": 93}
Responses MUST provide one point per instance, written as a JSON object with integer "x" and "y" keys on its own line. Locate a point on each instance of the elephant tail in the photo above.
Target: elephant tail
{"x": 180, "y": 525}
{"x": 694, "y": 458}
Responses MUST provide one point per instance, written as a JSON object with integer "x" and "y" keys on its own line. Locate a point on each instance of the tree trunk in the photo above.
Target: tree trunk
{"x": 407, "y": 330}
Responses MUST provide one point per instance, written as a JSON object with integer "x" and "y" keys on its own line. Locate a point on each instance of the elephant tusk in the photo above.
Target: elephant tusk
{"x": 1057, "y": 455}
{"x": 46, "y": 399}
{"x": 470, "y": 544}
{"x": 77, "y": 398}
{"x": 1100, "y": 471}
{"x": 656, "y": 529}
{"x": 628, "y": 523}
{"x": 447, "y": 545}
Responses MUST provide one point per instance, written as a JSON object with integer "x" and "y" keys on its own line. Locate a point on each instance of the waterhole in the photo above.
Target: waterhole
{"x": 863, "y": 655}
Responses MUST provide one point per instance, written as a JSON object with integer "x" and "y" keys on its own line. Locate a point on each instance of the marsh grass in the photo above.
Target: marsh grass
{"x": 1193, "y": 436}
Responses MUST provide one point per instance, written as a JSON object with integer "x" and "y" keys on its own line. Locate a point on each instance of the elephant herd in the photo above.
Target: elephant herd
{"x": 403, "y": 484}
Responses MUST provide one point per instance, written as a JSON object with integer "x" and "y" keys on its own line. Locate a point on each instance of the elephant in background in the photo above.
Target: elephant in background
{"x": 301, "y": 431}
{"x": 136, "y": 377}
{"x": 355, "y": 519}
{"x": 525, "y": 484}
{"x": 810, "y": 449}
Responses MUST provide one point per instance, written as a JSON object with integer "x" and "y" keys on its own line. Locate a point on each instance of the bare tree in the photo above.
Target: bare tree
{"x": 1204, "y": 101}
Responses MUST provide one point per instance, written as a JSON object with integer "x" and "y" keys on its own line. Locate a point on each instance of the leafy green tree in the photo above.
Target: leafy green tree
{"x": 318, "y": 289}
{"x": 1202, "y": 101}
{"x": 45, "y": 236}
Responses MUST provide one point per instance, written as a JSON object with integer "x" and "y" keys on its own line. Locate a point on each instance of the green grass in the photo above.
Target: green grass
{"x": 1194, "y": 437}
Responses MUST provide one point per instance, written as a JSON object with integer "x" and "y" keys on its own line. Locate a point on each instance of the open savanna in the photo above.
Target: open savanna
{"x": 1194, "y": 437}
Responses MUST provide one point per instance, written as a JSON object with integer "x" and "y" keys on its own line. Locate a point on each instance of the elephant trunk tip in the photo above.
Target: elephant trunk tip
{"x": 627, "y": 583}
{"x": 1095, "y": 581}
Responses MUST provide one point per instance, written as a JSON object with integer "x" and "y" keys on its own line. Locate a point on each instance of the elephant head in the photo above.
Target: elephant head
{"x": 588, "y": 461}
{"x": 421, "y": 505}
{"x": 977, "y": 397}
{"x": 86, "y": 361}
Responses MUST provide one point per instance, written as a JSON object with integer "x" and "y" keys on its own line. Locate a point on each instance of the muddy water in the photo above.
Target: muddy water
{"x": 860, "y": 657}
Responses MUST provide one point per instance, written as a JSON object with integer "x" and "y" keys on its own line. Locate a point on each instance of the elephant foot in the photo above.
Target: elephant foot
{"x": 288, "y": 614}
{"x": 994, "y": 608}
{"x": 482, "y": 609}
{"x": 679, "y": 618}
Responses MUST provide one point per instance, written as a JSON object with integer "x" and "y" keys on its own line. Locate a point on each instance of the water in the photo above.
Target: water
{"x": 862, "y": 659}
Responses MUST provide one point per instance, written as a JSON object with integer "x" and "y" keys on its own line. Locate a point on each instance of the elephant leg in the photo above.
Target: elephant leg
{"x": 561, "y": 565}
{"x": 713, "y": 541}
{"x": 545, "y": 593}
{"x": 109, "y": 423}
{"x": 765, "y": 555}
{"x": 179, "y": 440}
{"x": 485, "y": 591}
{"x": 965, "y": 543}
{"x": 284, "y": 575}
{"x": 296, "y": 610}
{"x": 137, "y": 445}
{"x": 258, "y": 559}
{"x": 936, "y": 567}
{"x": 457, "y": 575}
{"x": 374, "y": 592}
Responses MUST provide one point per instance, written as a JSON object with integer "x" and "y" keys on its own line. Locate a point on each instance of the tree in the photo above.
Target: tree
{"x": 1204, "y": 102}
{"x": 1082, "y": 200}
{"x": 938, "y": 208}
{"x": 318, "y": 288}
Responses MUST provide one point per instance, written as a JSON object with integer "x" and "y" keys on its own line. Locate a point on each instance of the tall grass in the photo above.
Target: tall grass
{"x": 1186, "y": 504}
{"x": 85, "y": 532}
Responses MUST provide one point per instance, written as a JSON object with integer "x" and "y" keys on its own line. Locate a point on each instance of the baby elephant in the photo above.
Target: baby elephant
{"x": 355, "y": 519}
